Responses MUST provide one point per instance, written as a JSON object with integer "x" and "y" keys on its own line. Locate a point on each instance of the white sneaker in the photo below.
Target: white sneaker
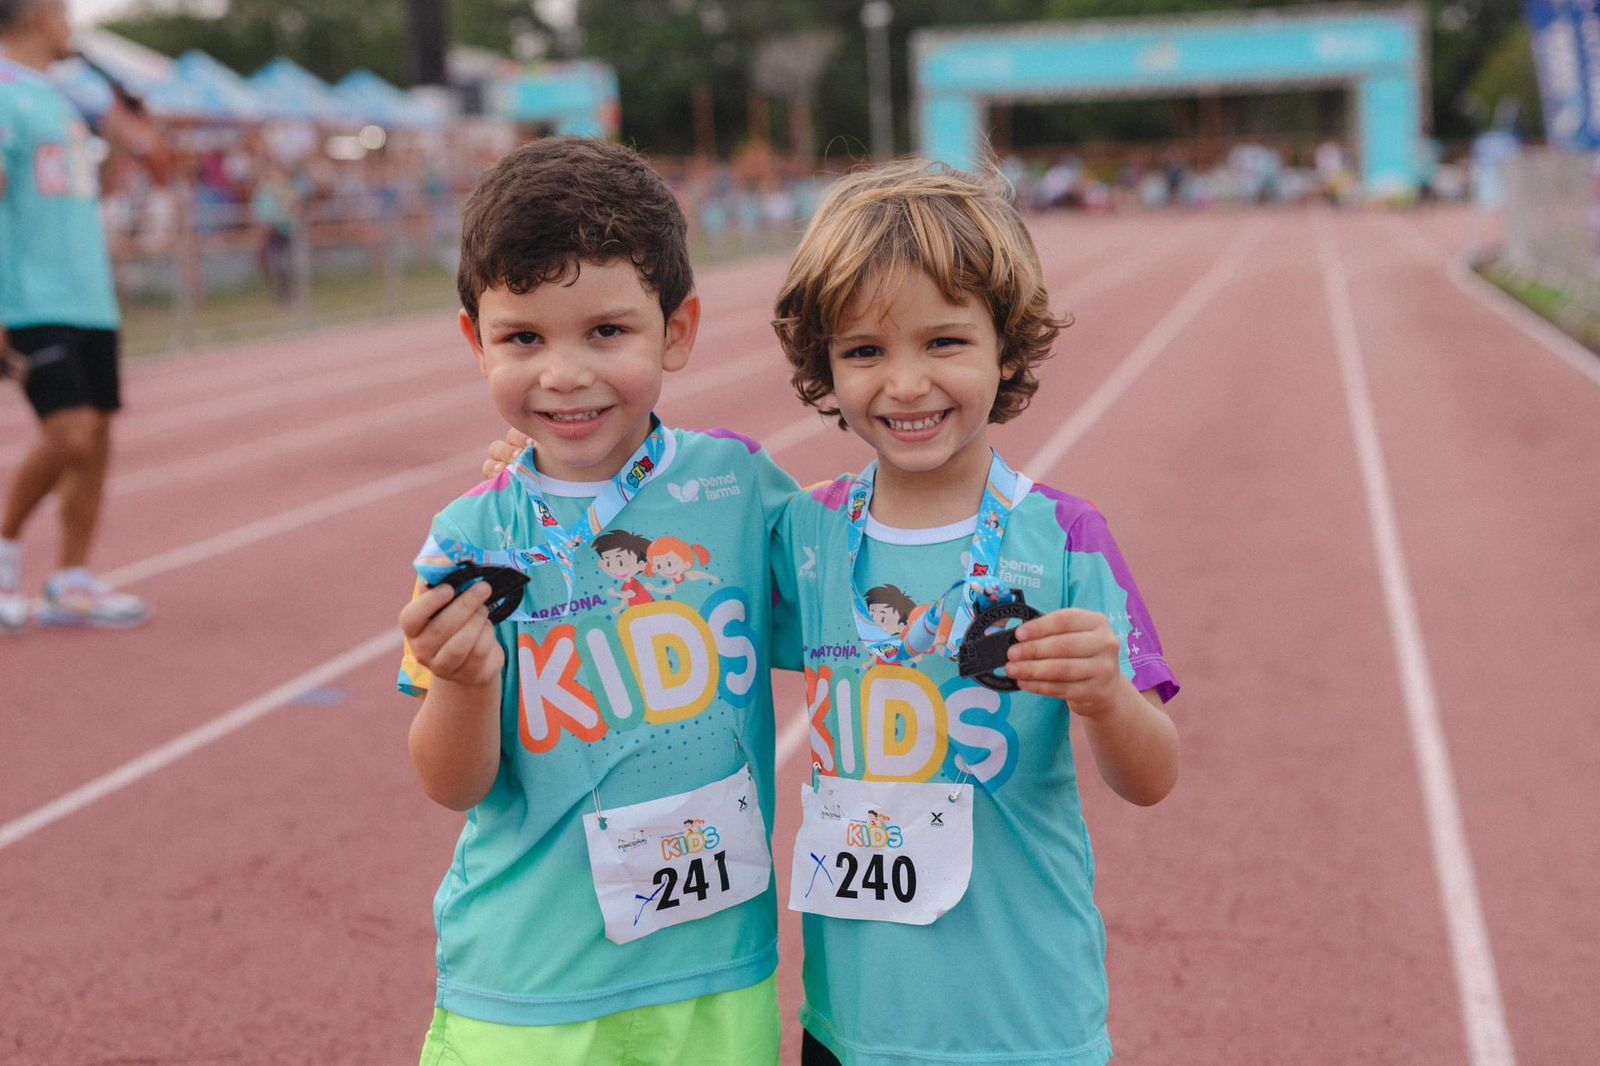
{"x": 13, "y": 612}
{"x": 77, "y": 597}
{"x": 13, "y": 605}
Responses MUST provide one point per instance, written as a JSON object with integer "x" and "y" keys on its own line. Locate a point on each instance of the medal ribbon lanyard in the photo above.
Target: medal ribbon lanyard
{"x": 961, "y": 601}
{"x": 441, "y": 555}
{"x": 562, "y": 546}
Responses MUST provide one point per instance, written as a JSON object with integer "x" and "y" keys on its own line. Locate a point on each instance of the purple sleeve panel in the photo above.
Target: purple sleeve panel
{"x": 1087, "y": 533}
{"x": 831, "y": 494}
{"x": 728, "y": 434}
{"x": 499, "y": 483}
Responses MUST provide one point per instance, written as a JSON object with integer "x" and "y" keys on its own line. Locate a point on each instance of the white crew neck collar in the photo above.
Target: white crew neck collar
{"x": 886, "y": 534}
{"x": 577, "y": 490}
{"x": 966, "y": 527}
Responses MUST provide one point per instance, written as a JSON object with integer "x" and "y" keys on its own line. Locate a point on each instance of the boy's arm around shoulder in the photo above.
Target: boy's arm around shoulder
{"x": 455, "y": 736}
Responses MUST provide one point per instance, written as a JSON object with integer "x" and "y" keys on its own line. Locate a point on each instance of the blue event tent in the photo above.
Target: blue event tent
{"x": 288, "y": 90}
{"x": 201, "y": 87}
{"x": 137, "y": 67}
{"x": 363, "y": 93}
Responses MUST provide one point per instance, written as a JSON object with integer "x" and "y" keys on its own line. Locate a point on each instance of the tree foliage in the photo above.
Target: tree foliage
{"x": 330, "y": 38}
{"x": 669, "y": 53}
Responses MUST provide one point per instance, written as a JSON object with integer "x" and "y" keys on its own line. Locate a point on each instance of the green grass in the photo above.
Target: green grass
{"x": 1564, "y": 310}
{"x": 149, "y": 326}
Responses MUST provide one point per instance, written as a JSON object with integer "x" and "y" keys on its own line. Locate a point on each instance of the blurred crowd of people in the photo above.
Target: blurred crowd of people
{"x": 1117, "y": 177}
{"x": 251, "y": 193}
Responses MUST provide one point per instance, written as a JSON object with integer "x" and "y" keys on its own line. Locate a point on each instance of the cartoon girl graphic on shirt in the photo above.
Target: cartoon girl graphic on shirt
{"x": 624, "y": 556}
{"x": 676, "y": 561}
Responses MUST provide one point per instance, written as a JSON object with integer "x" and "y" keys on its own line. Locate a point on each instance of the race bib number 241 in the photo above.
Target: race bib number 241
{"x": 676, "y": 859}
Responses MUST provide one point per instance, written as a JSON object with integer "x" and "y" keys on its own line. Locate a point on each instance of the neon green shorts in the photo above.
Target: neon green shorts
{"x": 738, "y": 1028}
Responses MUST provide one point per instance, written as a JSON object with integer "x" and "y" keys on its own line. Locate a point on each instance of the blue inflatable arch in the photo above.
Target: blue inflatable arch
{"x": 576, "y": 97}
{"x": 1378, "y": 55}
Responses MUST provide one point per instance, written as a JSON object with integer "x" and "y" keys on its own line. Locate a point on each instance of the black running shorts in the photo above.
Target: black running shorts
{"x": 69, "y": 367}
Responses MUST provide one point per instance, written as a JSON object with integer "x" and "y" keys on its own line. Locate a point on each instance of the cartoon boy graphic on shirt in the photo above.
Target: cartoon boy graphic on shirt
{"x": 890, "y": 608}
{"x": 624, "y": 556}
{"x": 924, "y": 631}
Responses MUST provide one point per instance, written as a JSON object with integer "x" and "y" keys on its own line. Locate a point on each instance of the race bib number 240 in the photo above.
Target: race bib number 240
{"x": 881, "y": 850}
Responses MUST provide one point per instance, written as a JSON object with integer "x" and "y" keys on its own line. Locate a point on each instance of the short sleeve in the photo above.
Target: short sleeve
{"x": 1098, "y": 579}
{"x": 8, "y": 135}
{"x": 415, "y": 679}
{"x": 774, "y": 486}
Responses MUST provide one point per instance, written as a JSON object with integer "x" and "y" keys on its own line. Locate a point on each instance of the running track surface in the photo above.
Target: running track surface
{"x": 1360, "y": 495}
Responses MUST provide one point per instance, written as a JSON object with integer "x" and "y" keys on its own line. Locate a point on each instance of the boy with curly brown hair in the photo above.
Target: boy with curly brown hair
{"x": 610, "y": 899}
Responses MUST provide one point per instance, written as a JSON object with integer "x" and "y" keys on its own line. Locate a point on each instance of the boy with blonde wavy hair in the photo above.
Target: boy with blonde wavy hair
{"x": 943, "y": 839}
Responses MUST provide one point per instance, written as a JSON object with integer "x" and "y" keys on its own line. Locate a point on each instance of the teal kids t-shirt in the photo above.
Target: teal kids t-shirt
{"x": 1015, "y": 971}
{"x": 54, "y": 265}
{"x": 650, "y": 681}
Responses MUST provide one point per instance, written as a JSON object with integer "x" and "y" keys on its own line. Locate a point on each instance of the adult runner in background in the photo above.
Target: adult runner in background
{"x": 58, "y": 309}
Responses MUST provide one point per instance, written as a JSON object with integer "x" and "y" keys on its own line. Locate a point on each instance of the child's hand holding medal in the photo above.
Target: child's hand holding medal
{"x": 1070, "y": 654}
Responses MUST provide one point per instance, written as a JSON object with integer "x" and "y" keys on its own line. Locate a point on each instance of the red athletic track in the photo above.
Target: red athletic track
{"x": 265, "y": 898}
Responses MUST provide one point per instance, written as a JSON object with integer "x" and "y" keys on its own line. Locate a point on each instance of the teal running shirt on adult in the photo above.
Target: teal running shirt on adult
{"x": 54, "y": 265}
{"x": 1013, "y": 972}
{"x": 646, "y": 678}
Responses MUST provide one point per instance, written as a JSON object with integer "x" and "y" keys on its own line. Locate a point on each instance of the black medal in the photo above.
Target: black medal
{"x": 507, "y": 585}
{"x": 983, "y": 654}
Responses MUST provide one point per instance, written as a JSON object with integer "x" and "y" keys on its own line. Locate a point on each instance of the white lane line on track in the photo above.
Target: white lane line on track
{"x": 359, "y": 421}
{"x": 1144, "y": 353}
{"x": 793, "y": 736}
{"x": 462, "y": 465}
{"x": 147, "y": 424}
{"x": 1096, "y": 282}
{"x": 1478, "y": 987}
{"x": 291, "y": 440}
{"x": 1491, "y": 296}
{"x": 385, "y": 643}
{"x": 236, "y": 366}
{"x": 459, "y": 466}
{"x": 142, "y": 422}
{"x": 789, "y": 740}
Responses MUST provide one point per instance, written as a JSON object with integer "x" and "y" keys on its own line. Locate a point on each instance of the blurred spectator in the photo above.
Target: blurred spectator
{"x": 275, "y": 208}
{"x": 1333, "y": 174}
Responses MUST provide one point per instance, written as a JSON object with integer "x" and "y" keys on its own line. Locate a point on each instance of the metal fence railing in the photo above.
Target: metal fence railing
{"x": 193, "y": 269}
{"x": 1552, "y": 224}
